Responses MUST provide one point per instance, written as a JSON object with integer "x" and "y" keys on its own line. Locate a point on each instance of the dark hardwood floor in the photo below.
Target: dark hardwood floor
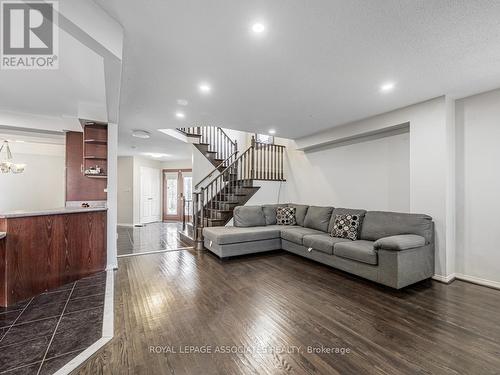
{"x": 273, "y": 308}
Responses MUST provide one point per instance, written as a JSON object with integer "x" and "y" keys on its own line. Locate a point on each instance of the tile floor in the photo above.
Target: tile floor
{"x": 40, "y": 335}
{"x": 151, "y": 237}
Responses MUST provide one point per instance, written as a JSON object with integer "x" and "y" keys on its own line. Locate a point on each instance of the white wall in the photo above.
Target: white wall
{"x": 478, "y": 182}
{"x": 270, "y": 192}
{"x": 129, "y": 184}
{"x": 429, "y": 158}
{"x": 243, "y": 139}
{"x": 42, "y": 185}
{"x": 38, "y": 122}
{"x": 177, "y": 164}
{"x": 125, "y": 190}
{"x": 201, "y": 166}
{"x": 373, "y": 175}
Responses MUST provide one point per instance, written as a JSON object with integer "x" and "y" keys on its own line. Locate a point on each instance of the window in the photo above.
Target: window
{"x": 264, "y": 138}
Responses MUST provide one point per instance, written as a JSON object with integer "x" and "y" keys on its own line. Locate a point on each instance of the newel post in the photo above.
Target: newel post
{"x": 199, "y": 230}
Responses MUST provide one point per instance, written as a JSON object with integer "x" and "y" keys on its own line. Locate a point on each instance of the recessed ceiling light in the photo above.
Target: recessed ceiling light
{"x": 182, "y": 102}
{"x": 204, "y": 88}
{"x": 258, "y": 28}
{"x": 141, "y": 134}
{"x": 180, "y": 115}
{"x": 272, "y": 131}
{"x": 386, "y": 87}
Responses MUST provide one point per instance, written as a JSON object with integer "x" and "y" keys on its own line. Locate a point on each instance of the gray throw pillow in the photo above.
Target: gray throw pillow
{"x": 248, "y": 216}
{"x": 270, "y": 213}
{"x": 346, "y": 226}
{"x": 318, "y": 218}
{"x": 286, "y": 216}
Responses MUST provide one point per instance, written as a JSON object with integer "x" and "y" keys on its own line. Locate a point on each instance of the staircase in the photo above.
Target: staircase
{"x": 213, "y": 142}
{"x": 231, "y": 182}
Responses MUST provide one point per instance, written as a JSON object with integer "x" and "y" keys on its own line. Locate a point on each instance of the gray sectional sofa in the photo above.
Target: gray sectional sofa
{"x": 394, "y": 249}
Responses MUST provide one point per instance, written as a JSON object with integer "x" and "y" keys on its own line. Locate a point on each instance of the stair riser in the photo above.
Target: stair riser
{"x": 202, "y": 147}
{"x": 232, "y": 198}
{"x": 240, "y": 191}
{"x": 225, "y": 206}
{"x": 219, "y": 215}
{"x": 214, "y": 223}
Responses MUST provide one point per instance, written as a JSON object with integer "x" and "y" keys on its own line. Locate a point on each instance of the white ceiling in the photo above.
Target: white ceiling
{"x": 76, "y": 87}
{"x": 320, "y": 64}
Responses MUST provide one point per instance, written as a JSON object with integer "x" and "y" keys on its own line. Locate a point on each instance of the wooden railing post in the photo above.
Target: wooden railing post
{"x": 183, "y": 212}
{"x": 196, "y": 202}
{"x": 252, "y": 158}
{"x": 199, "y": 229}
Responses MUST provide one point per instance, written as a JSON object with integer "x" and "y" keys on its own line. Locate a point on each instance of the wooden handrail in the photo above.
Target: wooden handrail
{"x": 260, "y": 161}
{"x": 216, "y": 138}
{"x": 230, "y": 140}
{"x": 215, "y": 169}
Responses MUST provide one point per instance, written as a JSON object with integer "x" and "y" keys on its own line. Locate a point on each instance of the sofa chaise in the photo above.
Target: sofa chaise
{"x": 393, "y": 249}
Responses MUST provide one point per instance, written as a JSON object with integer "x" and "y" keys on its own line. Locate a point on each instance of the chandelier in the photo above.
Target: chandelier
{"x": 6, "y": 164}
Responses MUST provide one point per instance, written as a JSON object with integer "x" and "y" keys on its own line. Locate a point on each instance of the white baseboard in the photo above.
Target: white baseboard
{"x": 444, "y": 279}
{"x": 478, "y": 280}
{"x": 471, "y": 279}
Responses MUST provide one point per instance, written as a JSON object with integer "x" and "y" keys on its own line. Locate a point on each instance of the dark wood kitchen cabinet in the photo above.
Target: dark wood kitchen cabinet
{"x": 80, "y": 187}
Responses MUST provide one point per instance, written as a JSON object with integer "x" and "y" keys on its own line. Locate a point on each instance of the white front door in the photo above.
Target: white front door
{"x": 150, "y": 194}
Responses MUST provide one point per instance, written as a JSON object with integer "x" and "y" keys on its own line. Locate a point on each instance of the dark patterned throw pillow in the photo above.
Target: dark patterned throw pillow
{"x": 286, "y": 216}
{"x": 346, "y": 226}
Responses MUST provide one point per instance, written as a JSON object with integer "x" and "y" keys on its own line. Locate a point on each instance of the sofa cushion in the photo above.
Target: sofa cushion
{"x": 296, "y": 234}
{"x": 248, "y": 216}
{"x": 321, "y": 242}
{"x": 378, "y": 224}
{"x": 270, "y": 213}
{"x": 300, "y": 213}
{"x": 345, "y": 211}
{"x": 318, "y": 218}
{"x": 230, "y": 235}
{"x": 286, "y": 216}
{"x": 346, "y": 226}
{"x": 361, "y": 251}
{"x": 401, "y": 242}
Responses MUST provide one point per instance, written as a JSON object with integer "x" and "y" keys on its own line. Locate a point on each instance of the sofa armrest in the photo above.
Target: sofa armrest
{"x": 400, "y": 242}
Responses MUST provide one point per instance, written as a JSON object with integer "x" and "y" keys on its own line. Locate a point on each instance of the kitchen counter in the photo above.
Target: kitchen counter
{"x": 51, "y": 211}
{"x": 43, "y": 250}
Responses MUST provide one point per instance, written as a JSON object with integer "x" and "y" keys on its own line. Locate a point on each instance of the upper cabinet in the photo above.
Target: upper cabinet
{"x": 95, "y": 149}
{"x": 87, "y": 162}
